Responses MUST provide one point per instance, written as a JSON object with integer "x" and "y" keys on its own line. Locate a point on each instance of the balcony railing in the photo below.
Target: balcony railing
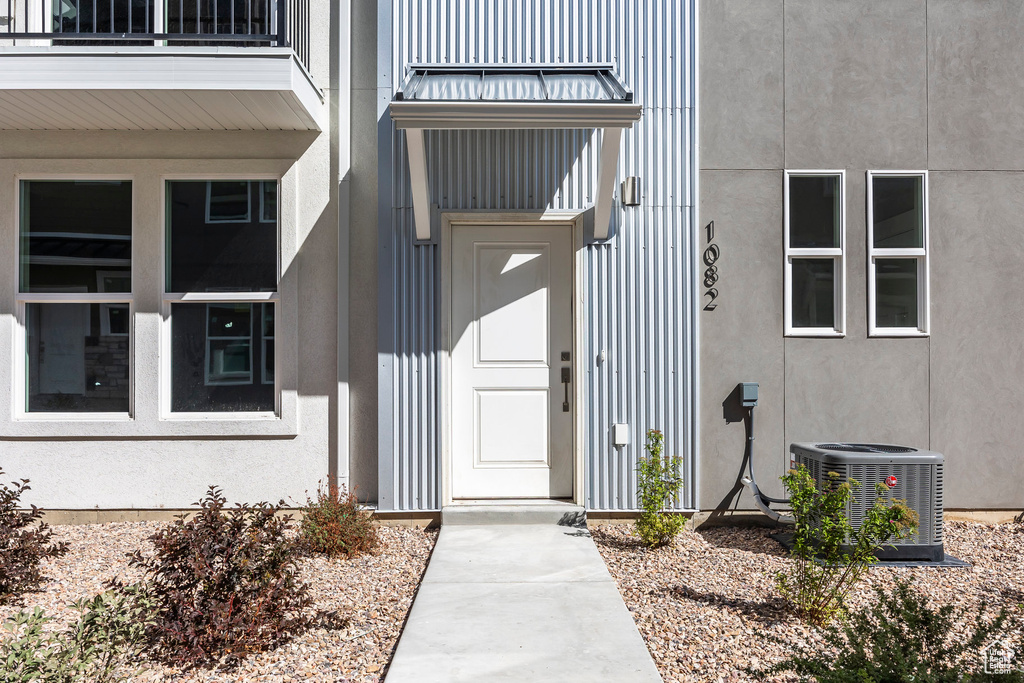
{"x": 247, "y": 23}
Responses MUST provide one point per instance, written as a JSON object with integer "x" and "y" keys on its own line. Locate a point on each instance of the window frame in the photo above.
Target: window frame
{"x": 838, "y": 254}
{"x": 169, "y": 299}
{"x": 20, "y": 377}
{"x": 920, "y": 254}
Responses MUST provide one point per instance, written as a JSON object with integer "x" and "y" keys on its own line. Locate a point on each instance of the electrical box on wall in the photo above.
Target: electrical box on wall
{"x": 748, "y": 394}
{"x": 620, "y": 434}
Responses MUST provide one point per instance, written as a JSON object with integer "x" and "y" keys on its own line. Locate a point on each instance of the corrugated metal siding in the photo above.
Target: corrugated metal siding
{"x": 639, "y": 285}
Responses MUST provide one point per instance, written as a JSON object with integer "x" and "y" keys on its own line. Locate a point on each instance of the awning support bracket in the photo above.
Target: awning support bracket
{"x": 426, "y": 216}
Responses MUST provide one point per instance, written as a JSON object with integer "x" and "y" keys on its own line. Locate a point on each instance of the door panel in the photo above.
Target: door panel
{"x": 511, "y": 428}
{"x": 511, "y": 319}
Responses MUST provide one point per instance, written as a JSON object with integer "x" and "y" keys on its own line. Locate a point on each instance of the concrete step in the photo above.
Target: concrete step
{"x": 514, "y": 512}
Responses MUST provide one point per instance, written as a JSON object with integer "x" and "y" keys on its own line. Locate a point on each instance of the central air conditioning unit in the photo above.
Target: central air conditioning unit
{"x": 917, "y": 481}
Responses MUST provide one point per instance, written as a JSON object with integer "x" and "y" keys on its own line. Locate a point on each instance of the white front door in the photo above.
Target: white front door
{"x": 512, "y": 428}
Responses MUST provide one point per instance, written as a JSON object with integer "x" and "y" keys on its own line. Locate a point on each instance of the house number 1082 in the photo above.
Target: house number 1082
{"x": 711, "y": 254}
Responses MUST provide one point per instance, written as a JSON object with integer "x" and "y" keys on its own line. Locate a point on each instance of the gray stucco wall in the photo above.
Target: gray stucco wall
{"x": 900, "y": 84}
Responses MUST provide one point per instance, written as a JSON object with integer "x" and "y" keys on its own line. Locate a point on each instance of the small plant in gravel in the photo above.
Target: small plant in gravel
{"x": 658, "y": 485}
{"x": 335, "y": 525}
{"x": 900, "y": 638}
{"x": 223, "y": 583}
{"x": 25, "y": 541}
{"x": 102, "y": 646}
{"x": 831, "y": 556}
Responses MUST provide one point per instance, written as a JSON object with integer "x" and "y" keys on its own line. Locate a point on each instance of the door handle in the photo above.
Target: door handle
{"x": 566, "y": 378}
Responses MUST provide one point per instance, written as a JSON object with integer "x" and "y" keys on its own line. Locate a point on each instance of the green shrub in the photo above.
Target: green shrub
{"x": 898, "y": 639}
{"x": 223, "y": 583}
{"x": 831, "y": 556}
{"x": 334, "y": 524}
{"x": 102, "y": 646}
{"x": 25, "y": 540}
{"x": 658, "y": 484}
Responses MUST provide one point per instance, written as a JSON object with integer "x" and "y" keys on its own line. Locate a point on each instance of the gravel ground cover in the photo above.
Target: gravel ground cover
{"x": 370, "y": 594}
{"x": 707, "y": 607}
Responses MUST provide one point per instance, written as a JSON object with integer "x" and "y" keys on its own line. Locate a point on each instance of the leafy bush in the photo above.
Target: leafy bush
{"x": 900, "y": 638}
{"x": 335, "y": 525}
{"x": 223, "y": 583}
{"x": 100, "y": 647}
{"x": 25, "y": 540}
{"x": 831, "y": 556}
{"x": 658, "y": 484}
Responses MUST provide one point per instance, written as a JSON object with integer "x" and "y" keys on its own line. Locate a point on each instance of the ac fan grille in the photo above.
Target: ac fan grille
{"x": 918, "y": 485}
{"x": 865, "y": 448}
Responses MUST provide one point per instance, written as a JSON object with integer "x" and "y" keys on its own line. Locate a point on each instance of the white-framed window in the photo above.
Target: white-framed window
{"x": 898, "y": 299}
{"x": 220, "y": 300}
{"x": 814, "y": 234}
{"x": 74, "y": 300}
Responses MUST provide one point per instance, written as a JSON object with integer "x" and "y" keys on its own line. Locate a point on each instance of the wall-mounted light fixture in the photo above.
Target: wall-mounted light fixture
{"x": 631, "y": 191}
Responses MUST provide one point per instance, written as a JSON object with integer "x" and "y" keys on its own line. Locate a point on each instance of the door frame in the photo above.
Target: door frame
{"x": 572, "y": 220}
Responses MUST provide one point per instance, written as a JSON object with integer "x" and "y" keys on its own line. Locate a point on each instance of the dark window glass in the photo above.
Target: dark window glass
{"x": 228, "y": 202}
{"x": 218, "y": 351}
{"x": 898, "y": 212}
{"x": 76, "y": 362}
{"x": 896, "y": 292}
{"x": 268, "y": 202}
{"x": 114, "y": 319}
{"x": 814, "y": 298}
{"x": 217, "y": 238}
{"x": 76, "y": 236}
{"x": 268, "y": 343}
{"x": 814, "y": 210}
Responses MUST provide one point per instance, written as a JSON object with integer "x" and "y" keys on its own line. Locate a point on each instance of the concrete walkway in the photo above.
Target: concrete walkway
{"x": 531, "y": 602}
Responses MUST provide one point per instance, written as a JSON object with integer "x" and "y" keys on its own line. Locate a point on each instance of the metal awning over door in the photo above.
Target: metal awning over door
{"x": 513, "y": 96}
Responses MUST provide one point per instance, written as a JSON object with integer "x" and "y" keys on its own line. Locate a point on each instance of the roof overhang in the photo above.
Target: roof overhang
{"x": 581, "y": 96}
{"x": 157, "y": 88}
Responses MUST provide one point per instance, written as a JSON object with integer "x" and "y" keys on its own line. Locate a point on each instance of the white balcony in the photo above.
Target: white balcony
{"x": 150, "y": 65}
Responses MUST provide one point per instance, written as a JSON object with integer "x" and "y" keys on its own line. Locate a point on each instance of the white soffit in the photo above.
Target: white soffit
{"x": 157, "y": 88}
{"x": 513, "y": 96}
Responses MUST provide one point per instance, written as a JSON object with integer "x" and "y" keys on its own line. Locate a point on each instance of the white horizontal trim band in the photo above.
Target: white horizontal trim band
{"x": 223, "y": 296}
{"x": 513, "y": 115}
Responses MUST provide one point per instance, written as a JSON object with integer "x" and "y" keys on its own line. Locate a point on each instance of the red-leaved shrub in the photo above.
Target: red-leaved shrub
{"x": 223, "y": 583}
{"x": 335, "y": 525}
{"x": 25, "y": 540}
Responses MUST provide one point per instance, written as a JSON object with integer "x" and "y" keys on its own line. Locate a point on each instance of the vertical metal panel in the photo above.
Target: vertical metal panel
{"x": 640, "y": 295}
